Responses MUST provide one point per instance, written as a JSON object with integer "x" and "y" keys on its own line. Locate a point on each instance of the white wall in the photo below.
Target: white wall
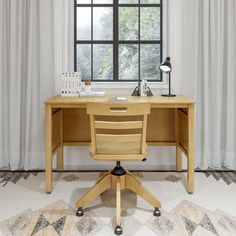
{"x": 158, "y": 157}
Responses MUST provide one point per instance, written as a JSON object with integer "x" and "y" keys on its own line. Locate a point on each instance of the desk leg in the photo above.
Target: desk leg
{"x": 178, "y": 150}
{"x": 190, "y": 174}
{"x": 48, "y": 148}
{"x": 178, "y": 158}
{"x": 60, "y": 148}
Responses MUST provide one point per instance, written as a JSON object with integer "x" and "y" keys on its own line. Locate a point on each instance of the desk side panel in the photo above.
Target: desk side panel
{"x": 55, "y": 129}
{"x": 76, "y": 126}
{"x": 161, "y": 125}
{"x": 183, "y": 129}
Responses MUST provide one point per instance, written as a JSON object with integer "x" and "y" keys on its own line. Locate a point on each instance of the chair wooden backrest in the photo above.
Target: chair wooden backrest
{"x": 118, "y": 130}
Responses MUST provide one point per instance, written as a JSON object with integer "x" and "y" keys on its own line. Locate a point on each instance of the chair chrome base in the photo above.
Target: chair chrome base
{"x": 156, "y": 212}
{"x": 80, "y": 212}
{"x": 118, "y": 230}
{"x": 118, "y": 170}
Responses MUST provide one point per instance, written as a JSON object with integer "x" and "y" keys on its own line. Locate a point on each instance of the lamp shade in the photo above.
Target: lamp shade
{"x": 166, "y": 65}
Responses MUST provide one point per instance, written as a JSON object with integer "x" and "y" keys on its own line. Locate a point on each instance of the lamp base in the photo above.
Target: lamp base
{"x": 168, "y": 95}
{"x": 136, "y": 92}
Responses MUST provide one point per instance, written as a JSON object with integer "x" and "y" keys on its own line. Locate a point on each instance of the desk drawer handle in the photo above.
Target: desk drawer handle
{"x": 118, "y": 109}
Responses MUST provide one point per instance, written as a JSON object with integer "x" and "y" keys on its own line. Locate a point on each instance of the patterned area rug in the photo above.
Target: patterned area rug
{"x": 7, "y": 176}
{"x": 14, "y": 177}
{"x": 227, "y": 176}
{"x": 180, "y": 216}
{"x": 59, "y": 219}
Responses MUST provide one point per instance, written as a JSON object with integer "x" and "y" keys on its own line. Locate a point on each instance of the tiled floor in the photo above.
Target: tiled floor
{"x": 26, "y": 191}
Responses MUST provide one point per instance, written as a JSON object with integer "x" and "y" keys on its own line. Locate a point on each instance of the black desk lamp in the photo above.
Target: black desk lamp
{"x": 166, "y": 67}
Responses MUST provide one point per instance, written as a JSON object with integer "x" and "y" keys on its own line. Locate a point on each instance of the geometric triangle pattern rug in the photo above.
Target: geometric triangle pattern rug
{"x": 59, "y": 219}
{"x": 14, "y": 176}
{"x": 227, "y": 176}
{"x": 8, "y": 176}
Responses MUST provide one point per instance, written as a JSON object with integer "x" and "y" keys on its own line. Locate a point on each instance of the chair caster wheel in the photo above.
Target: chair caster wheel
{"x": 144, "y": 159}
{"x": 80, "y": 212}
{"x": 156, "y": 212}
{"x": 118, "y": 230}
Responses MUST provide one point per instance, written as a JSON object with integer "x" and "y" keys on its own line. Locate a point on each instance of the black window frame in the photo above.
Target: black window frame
{"x": 116, "y": 42}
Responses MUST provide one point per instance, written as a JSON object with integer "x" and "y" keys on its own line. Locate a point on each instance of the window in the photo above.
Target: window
{"x": 118, "y": 40}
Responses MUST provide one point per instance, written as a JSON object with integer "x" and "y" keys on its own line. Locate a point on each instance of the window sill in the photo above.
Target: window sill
{"x": 127, "y": 85}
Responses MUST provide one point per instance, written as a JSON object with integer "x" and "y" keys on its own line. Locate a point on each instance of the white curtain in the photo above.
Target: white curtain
{"x": 36, "y": 45}
{"x": 31, "y": 55}
{"x": 26, "y": 80}
{"x": 208, "y": 59}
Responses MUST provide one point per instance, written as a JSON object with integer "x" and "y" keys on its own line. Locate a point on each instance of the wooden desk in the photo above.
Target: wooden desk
{"x": 171, "y": 123}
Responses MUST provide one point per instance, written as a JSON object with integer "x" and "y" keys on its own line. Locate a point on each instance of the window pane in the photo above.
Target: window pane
{"x": 83, "y": 23}
{"x": 103, "y": 23}
{"x": 128, "y": 23}
{"x": 150, "y": 1}
{"x": 83, "y": 1}
{"x": 103, "y": 1}
{"x": 149, "y": 61}
{"x": 128, "y": 62}
{"x": 150, "y": 23}
{"x": 83, "y": 61}
{"x": 103, "y": 62}
{"x": 128, "y": 1}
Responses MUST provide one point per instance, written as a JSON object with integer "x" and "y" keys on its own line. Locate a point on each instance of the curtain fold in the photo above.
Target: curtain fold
{"x": 27, "y": 72}
{"x": 209, "y": 76}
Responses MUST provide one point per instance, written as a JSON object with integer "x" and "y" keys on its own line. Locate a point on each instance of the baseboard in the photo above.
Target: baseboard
{"x": 141, "y": 168}
{"x": 127, "y": 166}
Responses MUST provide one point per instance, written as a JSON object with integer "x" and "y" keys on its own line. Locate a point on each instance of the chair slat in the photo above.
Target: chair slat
{"x": 118, "y": 137}
{"x": 109, "y": 157}
{"x": 118, "y": 125}
{"x": 121, "y": 148}
{"x": 122, "y": 151}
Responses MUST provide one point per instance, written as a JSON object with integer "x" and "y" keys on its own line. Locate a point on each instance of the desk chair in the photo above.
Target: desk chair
{"x": 118, "y": 133}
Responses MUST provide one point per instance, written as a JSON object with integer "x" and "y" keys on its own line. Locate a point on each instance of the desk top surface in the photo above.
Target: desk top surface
{"x": 57, "y": 100}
